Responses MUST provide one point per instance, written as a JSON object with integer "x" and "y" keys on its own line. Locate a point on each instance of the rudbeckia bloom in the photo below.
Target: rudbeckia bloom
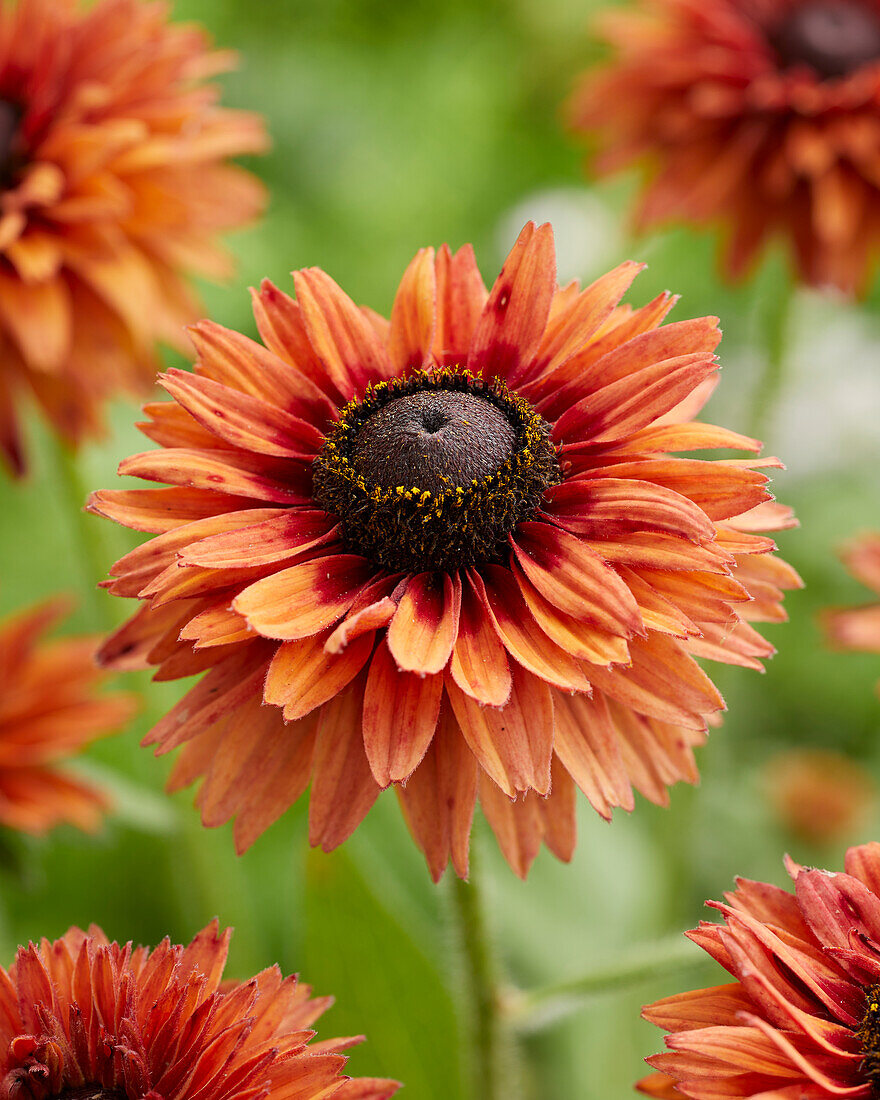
{"x": 113, "y": 186}
{"x": 86, "y": 1018}
{"x": 49, "y": 709}
{"x": 764, "y": 117}
{"x": 802, "y": 1019}
{"x": 858, "y": 628}
{"x": 450, "y": 553}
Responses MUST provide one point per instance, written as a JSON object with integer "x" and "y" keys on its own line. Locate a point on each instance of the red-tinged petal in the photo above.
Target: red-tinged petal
{"x": 515, "y": 315}
{"x": 217, "y": 625}
{"x": 807, "y": 1065}
{"x": 768, "y": 516}
{"x": 513, "y": 743}
{"x": 160, "y": 510}
{"x": 863, "y": 863}
{"x": 342, "y": 337}
{"x": 400, "y": 715}
{"x": 367, "y": 1088}
{"x": 573, "y": 578}
{"x": 479, "y": 664}
{"x": 833, "y": 905}
{"x": 559, "y": 813}
{"x": 718, "y": 1005}
{"x": 242, "y": 364}
{"x": 225, "y": 472}
{"x": 241, "y": 420}
{"x": 743, "y": 1047}
{"x": 425, "y": 625}
{"x": 305, "y": 598}
{"x": 720, "y": 490}
{"x": 461, "y": 296}
{"x": 623, "y": 407}
{"x": 614, "y": 507}
{"x": 861, "y": 557}
{"x": 587, "y": 743}
{"x": 517, "y": 825}
{"x": 694, "y": 403}
{"x": 575, "y": 636}
{"x": 413, "y": 315}
{"x": 343, "y": 788}
{"x": 691, "y": 436}
{"x": 523, "y": 638}
{"x": 651, "y": 551}
{"x": 370, "y": 618}
{"x": 572, "y": 329}
{"x": 438, "y": 799}
{"x": 271, "y": 536}
{"x": 303, "y": 676}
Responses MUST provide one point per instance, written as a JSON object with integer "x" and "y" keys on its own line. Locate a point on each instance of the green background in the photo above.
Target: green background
{"x": 395, "y": 126}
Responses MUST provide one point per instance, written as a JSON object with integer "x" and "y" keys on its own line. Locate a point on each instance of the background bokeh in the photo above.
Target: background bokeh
{"x": 397, "y": 125}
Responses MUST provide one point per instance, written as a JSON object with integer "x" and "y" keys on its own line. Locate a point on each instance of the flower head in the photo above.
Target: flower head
{"x": 86, "y": 1019}
{"x": 49, "y": 709}
{"x": 802, "y": 1018}
{"x": 113, "y": 186}
{"x": 450, "y": 553}
{"x": 763, "y": 117}
{"x": 817, "y": 794}
{"x": 858, "y": 628}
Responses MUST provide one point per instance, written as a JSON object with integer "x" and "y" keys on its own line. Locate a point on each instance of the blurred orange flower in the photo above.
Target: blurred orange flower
{"x": 49, "y": 709}
{"x": 113, "y": 186}
{"x": 763, "y": 115}
{"x": 802, "y": 1019}
{"x": 452, "y": 553}
{"x": 818, "y": 795}
{"x": 83, "y": 1017}
{"x": 858, "y": 628}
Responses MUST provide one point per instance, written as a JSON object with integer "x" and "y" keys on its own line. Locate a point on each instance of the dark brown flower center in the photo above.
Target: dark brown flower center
{"x": 92, "y": 1092}
{"x": 10, "y": 121}
{"x": 833, "y": 37}
{"x": 869, "y": 1037}
{"x": 434, "y": 471}
{"x": 434, "y": 439}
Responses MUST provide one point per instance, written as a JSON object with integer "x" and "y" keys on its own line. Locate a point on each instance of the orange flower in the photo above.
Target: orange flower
{"x": 86, "y": 1019}
{"x": 763, "y": 116}
{"x": 49, "y": 710}
{"x": 858, "y": 628}
{"x": 802, "y": 1019}
{"x": 112, "y": 187}
{"x": 450, "y": 552}
{"x": 818, "y": 795}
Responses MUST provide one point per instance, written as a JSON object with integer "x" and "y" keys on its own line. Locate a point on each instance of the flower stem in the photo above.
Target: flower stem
{"x": 84, "y": 533}
{"x": 536, "y": 1009}
{"x": 774, "y": 321}
{"x": 481, "y": 990}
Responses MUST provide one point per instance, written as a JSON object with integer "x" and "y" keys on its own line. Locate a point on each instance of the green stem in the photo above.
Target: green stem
{"x": 481, "y": 990}
{"x": 535, "y": 1009}
{"x": 85, "y": 534}
{"x": 774, "y": 322}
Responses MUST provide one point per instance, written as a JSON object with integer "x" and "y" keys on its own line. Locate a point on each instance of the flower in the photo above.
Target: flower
{"x": 48, "y": 710}
{"x": 802, "y": 1019}
{"x": 764, "y": 117}
{"x": 450, "y": 553}
{"x": 113, "y": 186}
{"x": 817, "y": 794}
{"x": 858, "y": 628}
{"x": 86, "y": 1018}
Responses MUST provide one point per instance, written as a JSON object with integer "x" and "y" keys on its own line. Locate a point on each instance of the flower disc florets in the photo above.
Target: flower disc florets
{"x": 869, "y": 1037}
{"x": 433, "y": 471}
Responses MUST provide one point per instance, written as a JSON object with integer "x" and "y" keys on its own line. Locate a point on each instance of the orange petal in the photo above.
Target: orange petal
{"x": 479, "y": 663}
{"x": 518, "y": 826}
{"x": 400, "y": 715}
{"x": 461, "y": 296}
{"x": 424, "y": 628}
{"x": 303, "y": 675}
{"x": 586, "y": 743}
{"x": 412, "y": 315}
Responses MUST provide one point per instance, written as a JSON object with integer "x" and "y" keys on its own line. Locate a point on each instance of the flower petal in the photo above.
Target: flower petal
{"x": 413, "y": 315}
{"x": 425, "y": 625}
{"x": 400, "y": 715}
{"x": 461, "y": 296}
{"x": 303, "y": 676}
{"x": 517, "y": 825}
{"x": 587, "y": 744}
{"x": 479, "y": 663}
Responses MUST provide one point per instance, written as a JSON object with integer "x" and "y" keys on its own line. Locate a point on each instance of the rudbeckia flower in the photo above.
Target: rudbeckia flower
{"x": 858, "y": 628}
{"x": 801, "y": 1021}
{"x": 113, "y": 187}
{"x": 49, "y": 709}
{"x": 763, "y": 117}
{"x": 450, "y": 553}
{"x": 86, "y": 1018}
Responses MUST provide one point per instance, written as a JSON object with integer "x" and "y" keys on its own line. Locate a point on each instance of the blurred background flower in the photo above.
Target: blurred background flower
{"x": 50, "y": 709}
{"x": 819, "y": 796}
{"x": 762, "y": 117}
{"x": 396, "y": 124}
{"x": 113, "y": 187}
{"x": 858, "y": 628}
